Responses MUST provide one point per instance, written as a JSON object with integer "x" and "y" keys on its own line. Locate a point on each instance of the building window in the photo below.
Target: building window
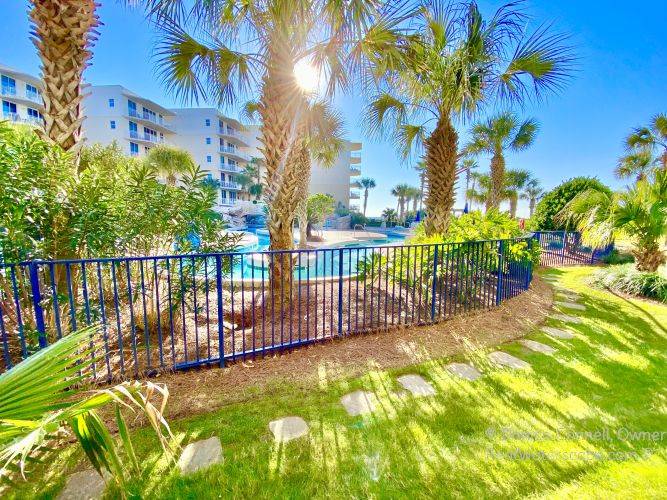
{"x": 8, "y": 85}
{"x": 209, "y": 159}
{"x": 150, "y": 134}
{"x": 112, "y": 103}
{"x": 208, "y": 140}
{"x": 31, "y": 91}
{"x": 33, "y": 113}
{"x": 150, "y": 115}
{"x": 208, "y": 122}
{"x": 8, "y": 108}
{"x": 134, "y": 148}
{"x": 112, "y": 124}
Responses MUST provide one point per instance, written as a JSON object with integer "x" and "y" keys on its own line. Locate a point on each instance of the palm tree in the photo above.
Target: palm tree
{"x": 402, "y": 193}
{"x": 495, "y": 136}
{"x": 63, "y": 32}
{"x": 640, "y": 212}
{"x": 646, "y": 148}
{"x": 458, "y": 62}
{"x": 479, "y": 191}
{"x": 169, "y": 162}
{"x": 366, "y": 183}
{"x": 532, "y": 192}
{"x": 421, "y": 170}
{"x": 250, "y": 179}
{"x": 469, "y": 165}
{"x": 415, "y": 195}
{"x": 390, "y": 215}
{"x": 205, "y": 52}
{"x": 515, "y": 181}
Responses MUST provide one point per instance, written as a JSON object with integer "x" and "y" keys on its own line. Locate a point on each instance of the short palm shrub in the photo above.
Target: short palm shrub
{"x": 625, "y": 278}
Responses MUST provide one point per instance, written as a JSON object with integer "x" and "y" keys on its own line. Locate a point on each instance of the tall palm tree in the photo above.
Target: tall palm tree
{"x": 63, "y": 31}
{"x": 366, "y": 183}
{"x": 402, "y": 193}
{"x": 639, "y": 212}
{"x": 205, "y": 53}
{"x": 421, "y": 170}
{"x": 169, "y": 162}
{"x": 496, "y": 135}
{"x": 250, "y": 179}
{"x": 469, "y": 165}
{"x": 459, "y": 61}
{"x": 478, "y": 192}
{"x": 414, "y": 195}
{"x": 390, "y": 215}
{"x": 515, "y": 181}
{"x": 532, "y": 192}
{"x": 646, "y": 148}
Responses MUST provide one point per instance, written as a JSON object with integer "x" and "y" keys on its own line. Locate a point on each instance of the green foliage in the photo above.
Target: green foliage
{"x": 616, "y": 257}
{"x": 33, "y": 415}
{"x": 357, "y": 218}
{"x": 319, "y": 207}
{"x": 626, "y": 278}
{"x": 556, "y": 199}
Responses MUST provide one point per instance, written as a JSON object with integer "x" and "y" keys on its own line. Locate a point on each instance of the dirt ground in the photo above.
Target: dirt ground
{"x": 206, "y": 389}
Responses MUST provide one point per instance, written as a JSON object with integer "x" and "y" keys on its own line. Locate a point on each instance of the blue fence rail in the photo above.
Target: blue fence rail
{"x": 180, "y": 311}
{"x": 564, "y": 248}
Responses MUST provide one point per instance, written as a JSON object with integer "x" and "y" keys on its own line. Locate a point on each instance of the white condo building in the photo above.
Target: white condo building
{"x": 21, "y": 97}
{"x": 114, "y": 113}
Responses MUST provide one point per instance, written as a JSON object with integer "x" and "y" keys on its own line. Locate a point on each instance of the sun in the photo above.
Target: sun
{"x": 306, "y": 75}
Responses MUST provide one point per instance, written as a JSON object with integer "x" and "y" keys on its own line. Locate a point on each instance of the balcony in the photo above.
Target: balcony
{"x": 26, "y": 97}
{"x": 146, "y": 117}
{"x": 16, "y": 118}
{"x": 354, "y": 195}
{"x": 230, "y": 168}
{"x": 228, "y": 202}
{"x": 355, "y": 157}
{"x": 355, "y": 185}
{"x": 231, "y": 133}
{"x": 234, "y": 152}
{"x": 141, "y": 136}
{"x": 230, "y": 185}
{"x": 354, "y": 171}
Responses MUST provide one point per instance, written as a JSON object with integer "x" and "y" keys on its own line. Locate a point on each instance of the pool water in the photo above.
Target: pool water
{"x": 312, "y": 263}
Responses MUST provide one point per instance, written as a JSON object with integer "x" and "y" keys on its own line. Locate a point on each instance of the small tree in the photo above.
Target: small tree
{"x": 367, "y": 184}
{"x": 319, "y": 207}
{"x": 390, "y": 215}
{"x": 169, "y": 162}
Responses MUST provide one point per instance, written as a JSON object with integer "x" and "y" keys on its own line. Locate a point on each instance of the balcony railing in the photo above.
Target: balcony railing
{"x": 228, "y": 201}
{"x": 355, "y": 171}
{"x": 354, "y": 195}
{"x": 233, "y": 151}
{"x": 230, "y": 185}
{"x": 148, "y": 117}
{"x": 141, "y": 136}
{"x": 229, "y": 168}
{"x": 229, "y": 132}
{"x": 8, "y": 90}
{"x": 16, "y": 118}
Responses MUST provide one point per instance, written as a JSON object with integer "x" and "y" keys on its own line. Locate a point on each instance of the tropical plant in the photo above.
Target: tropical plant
{"x": 402, "y": 192}
{"x": 421, "y": 170}
{"x": 460, "y": 61}
{"x": 390, "y": 215}
{"x": 366, "y": 183}
{"x": 553, "y": 202}
{"x": 251, "y": 179}
{"x": 319, "y": 207}
{"x": 414, "y": 195}
{"x": 495, "y": 136}
{"x": 45, "y": 396}
{"x": 63, "y": 32}
{"x": 625, "y": 278}
{"x": 169, "y": 162}
{"x": 515, "y": 182}
{"x": 646, "y": 149}
{"x": 469, "y": 164}
{"x": 479, "y": 189}
{"x": 639, "y": 212}
{"x": 532, "y": 192}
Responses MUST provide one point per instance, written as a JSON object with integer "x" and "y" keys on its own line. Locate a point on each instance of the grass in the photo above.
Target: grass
{"x": 560, "y": 429}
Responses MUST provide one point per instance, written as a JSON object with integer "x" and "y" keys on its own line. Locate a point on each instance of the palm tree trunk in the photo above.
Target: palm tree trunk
{"x": 514, "y": 201}
{"x": 532, "y": 206}
{"x": 649, "y": 257}
{"x": 365, "y": 200}
{"x": 497, "y": 180}
{"x": 441, "y": 150}
{"x": 63, "y": 33}
{"x": 422, "y": 176}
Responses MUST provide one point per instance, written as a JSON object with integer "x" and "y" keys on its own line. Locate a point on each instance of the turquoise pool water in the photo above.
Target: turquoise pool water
{"x": 313, "y": 263}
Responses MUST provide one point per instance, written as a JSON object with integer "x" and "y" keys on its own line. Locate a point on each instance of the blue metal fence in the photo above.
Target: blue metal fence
{"x": 180, "y": 311}
{"x": 564, "y": 248}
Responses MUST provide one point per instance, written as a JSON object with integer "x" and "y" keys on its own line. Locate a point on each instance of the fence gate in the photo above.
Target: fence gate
{"x": 565, "y": 248}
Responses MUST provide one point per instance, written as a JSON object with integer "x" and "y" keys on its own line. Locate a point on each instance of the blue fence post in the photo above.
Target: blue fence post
{"x": 433, "y": 285}
{"x": 562, "y": 252}
{"x": 37, "y": 304}
{"x": 218, "y": 286}
{"x": 499, "y": 287}
{"x": 340, "y": 291}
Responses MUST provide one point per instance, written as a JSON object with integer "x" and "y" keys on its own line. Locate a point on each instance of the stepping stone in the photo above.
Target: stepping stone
{"x": 504, "y": 359}
{"x": 84, "y": 485}
{"x": 572, "y": 296}
{"x": 550, "y": 278}
{"x": 557, "y": 332}
{"x": 359, "y": 403}
{"x": 288, "y": 428}
{"x": 464, "y": 370}
{"x": 566, "y": 318}
{"x": 537, "y": 346}
{"x": 571, "y": 305}
{"x": 416, "y": 385}
{"x": 200, "y": 454}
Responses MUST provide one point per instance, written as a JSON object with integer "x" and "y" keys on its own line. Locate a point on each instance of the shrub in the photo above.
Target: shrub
{"x": 616, "y": 257}
{"x": 626, "y": 279}
{"x": 556, "y": 199}
{"x": 357, "y": 218}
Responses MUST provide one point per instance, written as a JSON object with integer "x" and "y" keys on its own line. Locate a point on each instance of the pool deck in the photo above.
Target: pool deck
{"x": 333, "y": 237}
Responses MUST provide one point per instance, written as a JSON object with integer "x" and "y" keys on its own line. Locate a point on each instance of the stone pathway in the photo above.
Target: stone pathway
{"x": 566, "y": 318}
{"x": 200, "y": 454}
{"x": 557, "y": 332}
{"x": 359, "y": 403}
{"x": 533, "y": 345}
{"x": 84, "y": 485}
{"x": 416, "y": 385}
{"x": 288, "y": 428}
{"x": 465, "y": 371}
{"x": 504, "y": 359}
{"x": 570, "y": 305}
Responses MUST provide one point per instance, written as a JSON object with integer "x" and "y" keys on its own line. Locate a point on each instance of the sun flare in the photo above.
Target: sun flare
{"x": 306, "y": 76}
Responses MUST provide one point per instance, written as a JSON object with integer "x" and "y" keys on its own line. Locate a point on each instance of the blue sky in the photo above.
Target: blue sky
{"x": 621, "y": 82}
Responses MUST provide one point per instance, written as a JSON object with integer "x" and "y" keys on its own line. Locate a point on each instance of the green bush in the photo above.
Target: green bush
{"x": 625, "y": 278}
{"x": 616, "y": 257}
{"x": 554, "y": 201}
{"x": 357, "y": 218}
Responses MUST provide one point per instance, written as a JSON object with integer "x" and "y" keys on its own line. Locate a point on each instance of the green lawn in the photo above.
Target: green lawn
{"x": 507, "y": 434}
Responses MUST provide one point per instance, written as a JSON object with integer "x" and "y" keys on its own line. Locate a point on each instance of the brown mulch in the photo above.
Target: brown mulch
{"x": 206, "y": 389}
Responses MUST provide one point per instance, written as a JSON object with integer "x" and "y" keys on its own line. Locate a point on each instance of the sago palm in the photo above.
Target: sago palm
{"x": 63, "y": 32}
{"x": 495, "y": 136}
{"x": 646, "y": 149}
{"x": 169, "y": 162}
{"x": 367, "y": 184}
{"x": 461, "y": 62}
{"x": 639, "y": 212}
